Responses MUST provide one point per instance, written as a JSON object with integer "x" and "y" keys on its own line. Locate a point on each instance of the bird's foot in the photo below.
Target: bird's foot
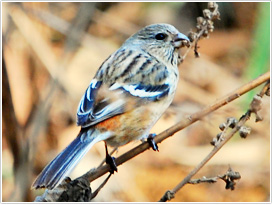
{"x": 111, "y": 162}
{"x": 152, "y": 143}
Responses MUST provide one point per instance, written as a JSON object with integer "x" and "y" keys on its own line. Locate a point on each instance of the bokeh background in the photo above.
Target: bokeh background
{"x": 52, "y": 50}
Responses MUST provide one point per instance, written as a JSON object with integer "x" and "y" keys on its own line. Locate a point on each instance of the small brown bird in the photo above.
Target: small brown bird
{"x": 129, "y": 93}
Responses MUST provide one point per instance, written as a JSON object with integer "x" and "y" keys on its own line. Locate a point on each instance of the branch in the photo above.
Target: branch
{"x": 204, "y": 27}
{"x": 218, "y": 144}
{"x": 229, "y": 178}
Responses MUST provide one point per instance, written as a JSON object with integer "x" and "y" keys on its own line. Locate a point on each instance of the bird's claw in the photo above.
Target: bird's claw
{"x": 151, "y": 142}
{"x": 111, "y": 162}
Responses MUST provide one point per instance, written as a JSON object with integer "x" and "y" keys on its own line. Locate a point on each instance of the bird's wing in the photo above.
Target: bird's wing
{"x": 107, "y": 96}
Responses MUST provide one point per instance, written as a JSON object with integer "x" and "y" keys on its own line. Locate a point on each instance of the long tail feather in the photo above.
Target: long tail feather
{"x": 64, "y": 163}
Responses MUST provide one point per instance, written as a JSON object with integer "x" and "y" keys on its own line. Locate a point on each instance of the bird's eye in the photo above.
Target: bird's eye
{"x": 160, "y": 36}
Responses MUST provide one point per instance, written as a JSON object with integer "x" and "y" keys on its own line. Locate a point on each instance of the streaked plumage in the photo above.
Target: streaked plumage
{"x": 128, "y": 94}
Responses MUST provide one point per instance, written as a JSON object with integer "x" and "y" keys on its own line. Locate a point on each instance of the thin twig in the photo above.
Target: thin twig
{"x": 203, "y": 180}
{"x": 204, "y": 161}
{"x": 265, "y": 89}
{"x": 204, "y": 27}
{"x": 101, "y": 186}
{"x": 217, "y": 147}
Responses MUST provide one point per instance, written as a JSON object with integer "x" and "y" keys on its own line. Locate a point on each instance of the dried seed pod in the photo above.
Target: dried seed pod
{"x": 218, "y": 136}
{"x": 230, "y": 184}
{"x": 200, "y": 20}
{"x": 210, "y": 29}
{"x": 222, "y": 126}
{"x": 255, "y": 107}
{"x": 216, "y": 16}
{"x": 192, "y": 36}
{"x": 234, "y": 175}
{"x": 207, "y": 14}
{"x": 211, "y": 5}
{"x": 213, "y": 142}
{"x": 198, "y": 27}
{"x": 256, "y": 104}
{"x": 230, "y": 178}
{"x": 210, "y": 22}
{"x": 210, "y": 26}
{"x": 216, "y": 140}
{"x": 205, "y": 34}
{"x": 244, "y": 131}
{"x": 231, "y": 121}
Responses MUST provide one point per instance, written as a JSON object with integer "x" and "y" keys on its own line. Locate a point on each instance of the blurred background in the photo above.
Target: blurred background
{"x": 52, "y": 50}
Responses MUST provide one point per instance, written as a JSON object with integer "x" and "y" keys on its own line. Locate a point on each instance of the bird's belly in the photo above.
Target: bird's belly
{"x": 132, "y": 125}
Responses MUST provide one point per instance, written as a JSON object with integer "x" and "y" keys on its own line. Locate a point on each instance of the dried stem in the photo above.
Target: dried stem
{"x": 203, "y": 180}
{"x": 204, "y": 27}
{"x": 101, "y": 186}
{"x": 228, "y": 178}
{"x": 205, "y": 160}
{"x": 171, "y": 193}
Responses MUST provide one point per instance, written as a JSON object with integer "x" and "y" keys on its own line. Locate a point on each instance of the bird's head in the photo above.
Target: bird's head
{"x": 160, "y": 40}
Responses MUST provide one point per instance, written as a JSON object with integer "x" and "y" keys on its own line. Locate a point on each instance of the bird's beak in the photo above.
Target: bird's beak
{"x": 180, "y": 40}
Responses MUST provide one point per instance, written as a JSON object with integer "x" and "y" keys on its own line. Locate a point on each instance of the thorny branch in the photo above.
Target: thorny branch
{"x": 220, "y": 141}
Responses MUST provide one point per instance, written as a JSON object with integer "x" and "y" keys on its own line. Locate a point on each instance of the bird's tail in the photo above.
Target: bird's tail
{"x": 64, "y": 163}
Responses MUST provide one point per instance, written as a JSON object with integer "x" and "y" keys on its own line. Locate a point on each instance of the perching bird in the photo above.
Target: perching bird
{"x": 129, "y": 93}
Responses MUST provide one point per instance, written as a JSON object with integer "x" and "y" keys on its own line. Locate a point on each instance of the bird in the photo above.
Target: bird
{"x": 128, "y": 94}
